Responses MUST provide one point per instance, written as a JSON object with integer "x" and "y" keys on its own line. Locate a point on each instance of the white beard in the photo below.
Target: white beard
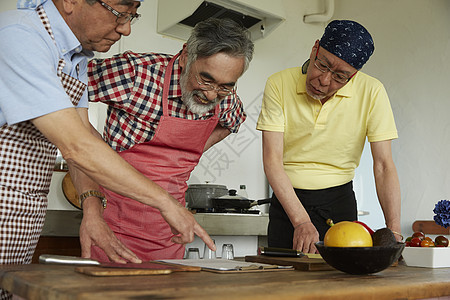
{"x": 195, "y": 107}
{"x": 317, "y": 97}
{"x": 188, "y": 97}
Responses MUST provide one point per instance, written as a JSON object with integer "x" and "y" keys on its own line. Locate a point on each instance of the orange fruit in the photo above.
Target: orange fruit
{"x": 347, "y": 234}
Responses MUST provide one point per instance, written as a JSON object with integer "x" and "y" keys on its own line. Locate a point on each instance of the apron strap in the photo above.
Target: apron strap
{"x": 166, "y": 86}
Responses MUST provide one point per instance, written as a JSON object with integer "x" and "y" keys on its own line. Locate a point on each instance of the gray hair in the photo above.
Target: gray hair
{"x": 214, "y": 35}
{"x": 123, "y": 2}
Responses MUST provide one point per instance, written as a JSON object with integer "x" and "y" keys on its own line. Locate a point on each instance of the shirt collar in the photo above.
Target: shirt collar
{"x": 345, "y": 92}
{"x": 66, "y": 41}
{"x": 32, "y": 4}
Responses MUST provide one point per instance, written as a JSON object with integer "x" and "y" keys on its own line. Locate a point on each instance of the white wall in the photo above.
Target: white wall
{"x": 7, "y": 4}
{"x": 412, "y": 59}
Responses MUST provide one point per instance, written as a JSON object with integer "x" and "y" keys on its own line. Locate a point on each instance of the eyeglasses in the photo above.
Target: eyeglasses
{"x": 121, "y": 17}
{"x": 207, "y": 86}
{"x": 323, "y": 67}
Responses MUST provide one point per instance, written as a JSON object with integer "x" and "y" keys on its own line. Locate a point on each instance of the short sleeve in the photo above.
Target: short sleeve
{"x": 271, "y": 117}
{"x": 381, "y": 123}
{"x": 30, "y": 85}
{"x": 232, "y": 113}
{"x": 110, "y": 80}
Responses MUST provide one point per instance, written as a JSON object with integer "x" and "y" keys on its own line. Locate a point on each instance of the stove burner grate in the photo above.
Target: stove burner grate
{"x": 226, "y": 210}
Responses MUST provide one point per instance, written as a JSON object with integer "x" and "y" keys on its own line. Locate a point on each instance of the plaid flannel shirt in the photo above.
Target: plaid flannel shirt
{"x": 131, "y": 85}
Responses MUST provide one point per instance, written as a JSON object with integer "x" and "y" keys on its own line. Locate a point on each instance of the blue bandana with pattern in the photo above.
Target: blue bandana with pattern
{"x": 349, "y": 41}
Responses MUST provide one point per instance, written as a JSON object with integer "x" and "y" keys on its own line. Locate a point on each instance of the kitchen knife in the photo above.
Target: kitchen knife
{"x": 75, "y": 260}
{"x": 270, "y": 251}
{"x": 67, "y": 260}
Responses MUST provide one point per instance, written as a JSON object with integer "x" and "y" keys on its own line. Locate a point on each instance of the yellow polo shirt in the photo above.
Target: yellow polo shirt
{"x": 323, "y": 143}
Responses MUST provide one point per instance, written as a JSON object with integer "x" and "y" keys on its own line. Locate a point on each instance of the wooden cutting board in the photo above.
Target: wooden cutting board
{"x": 69, "y": 191}
{"x": 146, "y": 268}
{"x": 299, "y": 263}
{"x": 99, "y": 271}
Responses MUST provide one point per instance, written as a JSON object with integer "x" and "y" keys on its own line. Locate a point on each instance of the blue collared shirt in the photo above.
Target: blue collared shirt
{"x": 29, "y": 59}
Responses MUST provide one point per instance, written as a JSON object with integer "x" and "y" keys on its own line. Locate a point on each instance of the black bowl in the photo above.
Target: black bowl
{"x": 360, "y": 260}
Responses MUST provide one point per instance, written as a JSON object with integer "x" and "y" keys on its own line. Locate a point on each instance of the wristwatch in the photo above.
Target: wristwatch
{"x": 92, "y": 193}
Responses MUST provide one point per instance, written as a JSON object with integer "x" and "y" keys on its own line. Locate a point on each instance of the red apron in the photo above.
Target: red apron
{"x": 168, "y": 160}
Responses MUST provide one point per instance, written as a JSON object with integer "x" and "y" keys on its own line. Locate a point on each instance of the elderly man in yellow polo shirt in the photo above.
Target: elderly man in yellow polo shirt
{"x": 314, "y": 121}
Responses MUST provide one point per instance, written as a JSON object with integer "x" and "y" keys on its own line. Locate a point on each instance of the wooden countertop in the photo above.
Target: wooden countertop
{"x": 59, "y": 282}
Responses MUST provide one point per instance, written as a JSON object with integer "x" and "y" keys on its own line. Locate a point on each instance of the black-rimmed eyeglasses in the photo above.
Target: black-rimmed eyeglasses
{"x": 121, "y": 17}
{"x": 207, "y": 86}
{"x": 323, "y": 67}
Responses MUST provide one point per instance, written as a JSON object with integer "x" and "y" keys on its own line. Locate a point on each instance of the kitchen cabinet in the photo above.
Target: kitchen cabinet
{"x": 60, "y": 234}
{"x": 60, "y": 245}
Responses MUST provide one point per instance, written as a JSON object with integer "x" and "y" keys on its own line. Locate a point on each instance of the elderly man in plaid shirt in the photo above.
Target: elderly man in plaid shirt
{"x": 164, "y": 111}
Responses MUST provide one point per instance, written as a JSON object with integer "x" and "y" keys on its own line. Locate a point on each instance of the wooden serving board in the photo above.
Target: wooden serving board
{"x": 429, "y": 227}
{"x": 299, "y": 263}
{"x": 147, "y": 268}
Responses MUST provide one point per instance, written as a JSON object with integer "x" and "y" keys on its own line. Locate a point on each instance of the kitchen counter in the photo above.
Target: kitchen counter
{"x": 67, "y": 223}
{"x": 51, "y": 282}
{"x": 233, "y": 224}
{"x": 60, "y": 234}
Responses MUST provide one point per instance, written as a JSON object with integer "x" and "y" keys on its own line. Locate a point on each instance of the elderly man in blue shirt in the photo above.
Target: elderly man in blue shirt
{"x": 43, "y": 107}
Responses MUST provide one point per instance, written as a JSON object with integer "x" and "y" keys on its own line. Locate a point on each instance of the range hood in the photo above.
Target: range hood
{"x": 176, "y": 18}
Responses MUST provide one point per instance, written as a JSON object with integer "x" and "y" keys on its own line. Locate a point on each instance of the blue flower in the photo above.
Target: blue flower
{"x": 442, "y": 211}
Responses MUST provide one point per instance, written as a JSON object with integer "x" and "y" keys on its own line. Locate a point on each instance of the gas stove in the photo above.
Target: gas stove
{"x": 226, "y": 211}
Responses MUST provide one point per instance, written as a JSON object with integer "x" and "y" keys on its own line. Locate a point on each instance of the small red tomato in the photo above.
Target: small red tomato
{"x": 408, "y": 244}
{"x": 415, "y": 242}
{"x": 426, "y": 243}
{"x": 441, "y": 241}
{"x": 419, "y": 235}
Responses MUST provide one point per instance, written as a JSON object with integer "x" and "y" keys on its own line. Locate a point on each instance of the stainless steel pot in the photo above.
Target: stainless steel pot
{"x": 200, "y": 195}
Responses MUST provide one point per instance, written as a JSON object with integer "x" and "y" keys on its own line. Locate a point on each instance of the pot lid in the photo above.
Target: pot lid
{"x": 232, "y": 195}
{"x": 207, "y": 185}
